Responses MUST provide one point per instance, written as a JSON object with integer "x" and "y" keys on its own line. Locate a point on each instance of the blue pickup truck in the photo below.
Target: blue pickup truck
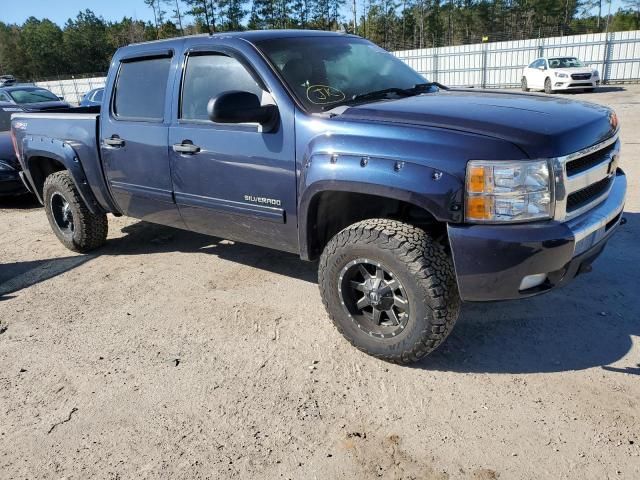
{"x": 412, "y": 196}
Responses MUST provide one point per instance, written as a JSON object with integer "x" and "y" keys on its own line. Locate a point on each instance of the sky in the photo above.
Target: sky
{"x": 60, "y": 10}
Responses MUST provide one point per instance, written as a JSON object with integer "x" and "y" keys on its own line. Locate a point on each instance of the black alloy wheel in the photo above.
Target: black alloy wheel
{"x": 374, "y": 299}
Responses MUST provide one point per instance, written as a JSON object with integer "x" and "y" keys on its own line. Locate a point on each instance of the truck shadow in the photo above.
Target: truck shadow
{"x": 18, "y": 275}
{"x": 143, "y": 238}
{"x": 20, "y": 202}
{"x": 588, "y": 323}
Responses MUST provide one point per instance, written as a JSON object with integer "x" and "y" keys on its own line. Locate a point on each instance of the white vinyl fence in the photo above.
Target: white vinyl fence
{"x": 499, "y": 65}
{"x": 73, "y": 89}
{"x": 490, "y": 65}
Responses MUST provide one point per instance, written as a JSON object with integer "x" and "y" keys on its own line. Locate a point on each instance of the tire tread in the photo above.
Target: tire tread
{"x": 425, "y": 259}
{"x": 93, "y": 228}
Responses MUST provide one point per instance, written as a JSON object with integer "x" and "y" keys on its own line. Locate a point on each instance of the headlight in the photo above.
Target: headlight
{"x": 561, "y": 75}
{"x": 5, "y": 167}
{"x": 499, "y": 191}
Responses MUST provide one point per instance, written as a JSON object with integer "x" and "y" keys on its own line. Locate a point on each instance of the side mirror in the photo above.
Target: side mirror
{"x": 60, "y": 98}
{"x": 241, "y": 107}
{"x": 542, "y": 68}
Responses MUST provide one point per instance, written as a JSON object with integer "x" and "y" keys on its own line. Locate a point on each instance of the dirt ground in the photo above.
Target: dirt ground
{"x": 169, "y": 354}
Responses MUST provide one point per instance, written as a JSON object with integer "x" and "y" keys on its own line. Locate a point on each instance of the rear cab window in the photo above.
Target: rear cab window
{"x": 141, "y": 89}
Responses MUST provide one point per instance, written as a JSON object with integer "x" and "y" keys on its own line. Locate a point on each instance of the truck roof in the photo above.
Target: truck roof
{"x": 252, "y": 35}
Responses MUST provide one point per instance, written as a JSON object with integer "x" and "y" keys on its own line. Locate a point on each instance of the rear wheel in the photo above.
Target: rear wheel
{"x": 523, "y": 84}
{"x": 547, "y": 86}
{"x": 389, "y": 289}
{"x": 73, "y": 223}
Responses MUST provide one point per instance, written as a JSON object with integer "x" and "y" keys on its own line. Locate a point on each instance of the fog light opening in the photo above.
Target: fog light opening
{"x": 531, "y": 281}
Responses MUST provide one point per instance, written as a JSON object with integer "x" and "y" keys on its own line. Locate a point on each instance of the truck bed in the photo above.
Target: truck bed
{"x": 78, "y": 129}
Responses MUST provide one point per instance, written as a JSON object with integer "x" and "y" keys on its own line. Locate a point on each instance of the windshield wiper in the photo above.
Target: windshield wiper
{"x": 421, "y": 87}
{"x": 384, "y": 93}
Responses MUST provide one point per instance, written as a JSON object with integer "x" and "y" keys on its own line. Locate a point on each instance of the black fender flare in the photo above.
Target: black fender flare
{"x": 437, "y": 192}
{"x": 64, "y": 154}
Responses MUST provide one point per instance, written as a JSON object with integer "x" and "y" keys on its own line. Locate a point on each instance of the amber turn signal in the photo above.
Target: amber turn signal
{"x": 476, "y": 180}
{"x": 479, "y": 208}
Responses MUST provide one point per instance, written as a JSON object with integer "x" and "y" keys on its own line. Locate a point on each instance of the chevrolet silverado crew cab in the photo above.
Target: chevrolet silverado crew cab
{"x": 412, "y": 196}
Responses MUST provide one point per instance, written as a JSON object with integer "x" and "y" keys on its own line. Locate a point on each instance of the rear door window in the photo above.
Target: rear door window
{"x": 141, "y": 89}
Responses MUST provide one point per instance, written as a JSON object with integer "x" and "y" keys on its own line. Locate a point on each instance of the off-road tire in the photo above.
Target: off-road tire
{"x": 90, "y": 230}
{"x": 547, "y": 86}
{"x": 523, "y": 84}
{"x": 422, "y": 266}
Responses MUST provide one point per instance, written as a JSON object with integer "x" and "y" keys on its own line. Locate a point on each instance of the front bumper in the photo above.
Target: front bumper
{"x": 492, "y": 260}
{"x": 560, "y": 84}
{"x": 11, "y": 184}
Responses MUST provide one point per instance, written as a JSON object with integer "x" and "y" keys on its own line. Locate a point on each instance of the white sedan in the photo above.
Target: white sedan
{"x": 559, "y": 73}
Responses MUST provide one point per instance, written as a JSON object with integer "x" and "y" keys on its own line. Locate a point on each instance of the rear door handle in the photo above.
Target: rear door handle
{"x": 114, "y": 141}
{"x": 186, "y": 148}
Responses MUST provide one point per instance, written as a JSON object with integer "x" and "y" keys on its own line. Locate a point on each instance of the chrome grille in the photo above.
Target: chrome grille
{"x": 581, "y": 76}
{"x": 583, "y": 179}
{"x": 588, "y": 161}
{"x": 585, "y": 196}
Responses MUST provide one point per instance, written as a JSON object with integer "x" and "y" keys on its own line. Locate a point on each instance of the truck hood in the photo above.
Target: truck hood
{"x": 542, "y": 126}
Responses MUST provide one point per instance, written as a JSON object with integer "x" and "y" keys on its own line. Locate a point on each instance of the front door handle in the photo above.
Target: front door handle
{"x": 186, "y": 148}
{"x": 114, "y": 141}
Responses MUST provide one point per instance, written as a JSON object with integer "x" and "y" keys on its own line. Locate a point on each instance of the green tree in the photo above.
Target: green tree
{"x": 11, "y": 55}
{"x": 232, "y": 13}
{"x": 86, "y": 44}
{"x": 41, "y": 44}
{"x": 204, "y": 13}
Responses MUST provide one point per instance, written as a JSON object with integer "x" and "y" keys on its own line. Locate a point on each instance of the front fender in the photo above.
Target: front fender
{"x": 435, "y": 191}
{"x": 35, "y": 147}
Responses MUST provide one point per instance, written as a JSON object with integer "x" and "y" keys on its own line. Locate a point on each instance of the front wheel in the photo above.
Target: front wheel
{"x": 547, "y": 86}
{"x": 389, "y": 289}
{"x": 73, "y": 223}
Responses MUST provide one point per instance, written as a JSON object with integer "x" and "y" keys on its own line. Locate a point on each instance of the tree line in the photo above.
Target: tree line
{"x": 40, "y": 49}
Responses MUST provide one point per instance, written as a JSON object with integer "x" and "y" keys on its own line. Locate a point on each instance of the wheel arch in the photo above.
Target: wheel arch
{"x": 57, "y": 156}
{"x": 330, "y": 206}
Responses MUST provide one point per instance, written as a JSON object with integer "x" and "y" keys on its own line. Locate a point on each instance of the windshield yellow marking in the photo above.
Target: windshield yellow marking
{"x": 324, "y": 94}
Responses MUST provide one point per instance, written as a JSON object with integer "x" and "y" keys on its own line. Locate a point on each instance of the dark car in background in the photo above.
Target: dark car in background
{"x": 6, "y": 80}
{"x": 31, "y": 97}
{"x": 10, "y": 182}
{"x": 92, "y": 98}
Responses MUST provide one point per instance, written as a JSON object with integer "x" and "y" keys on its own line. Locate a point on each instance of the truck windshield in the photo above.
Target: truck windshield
{"x": 323, "y": 71}
{"x": 565, "y": 62}
{"x": 33, "y": 95}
